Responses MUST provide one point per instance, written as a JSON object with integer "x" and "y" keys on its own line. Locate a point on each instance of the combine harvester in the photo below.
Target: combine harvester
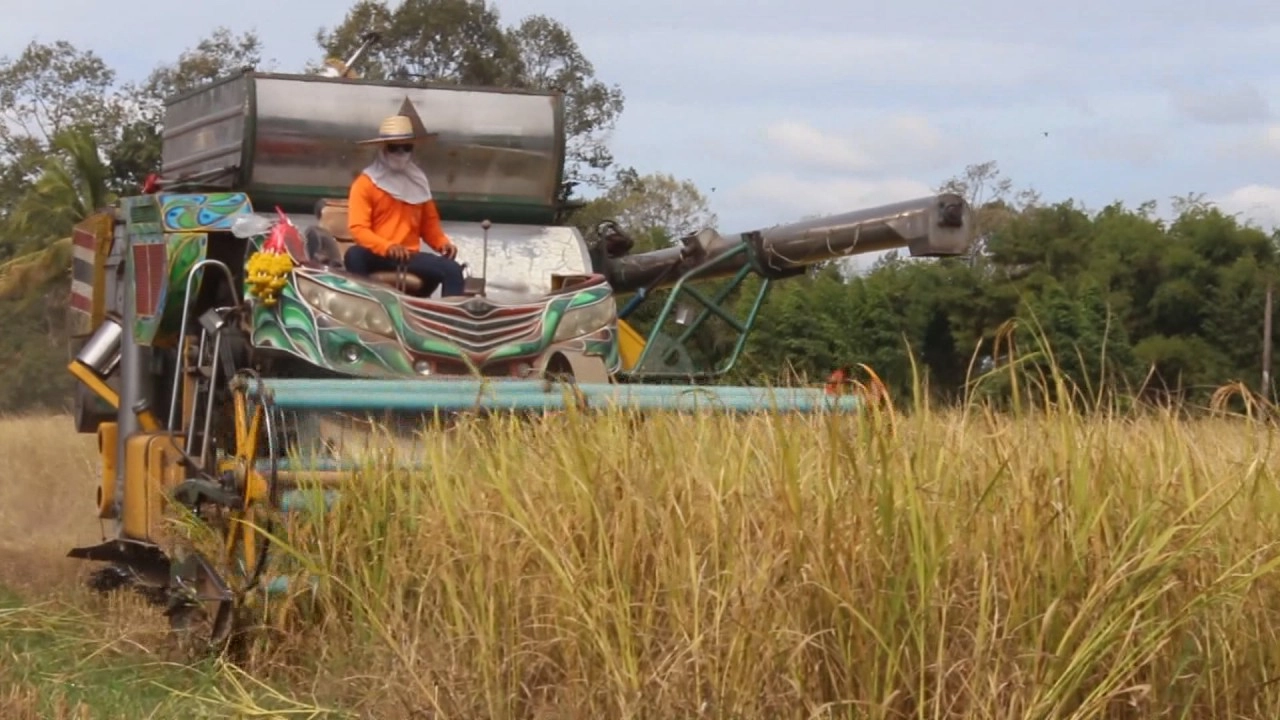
{"x": 213, "y": 319}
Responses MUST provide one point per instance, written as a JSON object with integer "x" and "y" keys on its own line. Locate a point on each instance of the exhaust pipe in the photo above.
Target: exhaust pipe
{"x": 338, "y": 69}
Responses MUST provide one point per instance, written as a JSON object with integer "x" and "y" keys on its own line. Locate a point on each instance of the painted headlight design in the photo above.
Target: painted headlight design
{"x": 580, "y": 321}
{"x": 348, "y": 309}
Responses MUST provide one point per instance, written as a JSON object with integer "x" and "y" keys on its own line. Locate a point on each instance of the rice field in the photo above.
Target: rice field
{"x": 923, "y": 564}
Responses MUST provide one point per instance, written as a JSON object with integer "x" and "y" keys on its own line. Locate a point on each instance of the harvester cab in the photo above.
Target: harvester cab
{"x": 218, "y": 337}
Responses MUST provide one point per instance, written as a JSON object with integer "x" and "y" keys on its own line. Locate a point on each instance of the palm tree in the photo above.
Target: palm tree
{"x": 72, "y": 185}
{"x": 32, "y": 270}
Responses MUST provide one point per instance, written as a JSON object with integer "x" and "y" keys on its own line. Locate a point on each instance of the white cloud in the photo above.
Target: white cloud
{"x": 809, "y": 146}
{"x": 1257, "y": 203}
{"x": 821, "y": 60}
{"x": 1241, "y": 103}
{"x": 791, "y": 197}
{"x": 1270, "y": 140}
{"x": 906, "y": 141}
{"x": 1262, "y": 143}
{"x": 971, "y": 63}
{"x": 1135, "y": 147}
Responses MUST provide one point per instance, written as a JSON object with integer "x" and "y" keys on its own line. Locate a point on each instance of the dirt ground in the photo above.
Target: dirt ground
{"x": 48, "y": 484}
{"x": 49, "y": 476}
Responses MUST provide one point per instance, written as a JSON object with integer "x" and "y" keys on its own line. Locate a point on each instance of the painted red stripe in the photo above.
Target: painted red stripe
{"x": 84, "y": 239}
{"x": 81, "y": 302}
{"x": 150, "y": 271}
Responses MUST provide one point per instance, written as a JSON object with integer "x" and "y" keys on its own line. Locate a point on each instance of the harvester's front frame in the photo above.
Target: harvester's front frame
{"x": 220, "y": 456}
{"x": 170, "y": 311}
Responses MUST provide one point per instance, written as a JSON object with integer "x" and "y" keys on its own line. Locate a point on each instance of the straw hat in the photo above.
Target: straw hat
{"x": 397, "y": 128}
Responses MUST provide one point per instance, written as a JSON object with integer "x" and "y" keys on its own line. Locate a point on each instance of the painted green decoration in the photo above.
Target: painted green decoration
{"x": 168, "y": 235}
{"x": 348, "y": 324}
{"x": 366, "y": 329}
{"x": 184, "y": 250}
{"x": 202, "y": 212}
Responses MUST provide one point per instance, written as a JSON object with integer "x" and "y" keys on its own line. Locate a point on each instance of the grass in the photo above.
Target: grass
{"x": 84, "y": 657}
{"x": 1032, "y": 564}
{"x": 53, "y": 668}
{"x": 66, "y": 653}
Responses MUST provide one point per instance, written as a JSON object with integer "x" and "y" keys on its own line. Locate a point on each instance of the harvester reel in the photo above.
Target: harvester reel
{"x": 240, "y": 517}
{"x": 245, "y": 544}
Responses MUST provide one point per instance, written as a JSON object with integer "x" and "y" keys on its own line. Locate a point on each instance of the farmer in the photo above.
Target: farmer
{"x": 390, "y": 210}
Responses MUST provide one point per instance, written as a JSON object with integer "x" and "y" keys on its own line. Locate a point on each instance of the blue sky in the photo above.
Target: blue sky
{"x": 783, "y": 109}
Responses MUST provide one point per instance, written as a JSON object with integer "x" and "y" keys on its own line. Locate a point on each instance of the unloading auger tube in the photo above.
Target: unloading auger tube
{"x": 932, "y": 226}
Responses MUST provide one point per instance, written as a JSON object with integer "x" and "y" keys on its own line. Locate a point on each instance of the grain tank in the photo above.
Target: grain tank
{"x": 290, "y": 140}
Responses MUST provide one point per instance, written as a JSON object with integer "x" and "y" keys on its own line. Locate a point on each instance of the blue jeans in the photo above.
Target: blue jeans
{"x": 432, "y": 270}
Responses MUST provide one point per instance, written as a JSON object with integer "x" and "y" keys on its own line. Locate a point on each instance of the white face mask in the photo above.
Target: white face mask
{"x": 397, "y": 161}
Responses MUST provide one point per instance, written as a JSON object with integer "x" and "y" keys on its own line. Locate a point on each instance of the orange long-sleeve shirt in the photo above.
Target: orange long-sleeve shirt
{"x": 377, "y": 220}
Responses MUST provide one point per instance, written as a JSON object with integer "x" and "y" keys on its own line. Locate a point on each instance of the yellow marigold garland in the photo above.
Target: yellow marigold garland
{"x": 268, "y": 269}
{"x": 267, "y": 272}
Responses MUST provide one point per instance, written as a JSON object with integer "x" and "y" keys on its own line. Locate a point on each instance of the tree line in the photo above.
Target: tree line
{"x": 1121, "y": 298}
{"x": 1114, "y": 299}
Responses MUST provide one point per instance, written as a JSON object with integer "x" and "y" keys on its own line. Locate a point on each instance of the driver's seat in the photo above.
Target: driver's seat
{"x": 333, "y": 220}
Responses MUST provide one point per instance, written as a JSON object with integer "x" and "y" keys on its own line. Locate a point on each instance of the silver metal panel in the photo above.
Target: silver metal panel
{"x": 492, "y": 145}
{"x": 204, "y": 131}
{"x": 521, "y": 258}
{"x": 936, "y": 225}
